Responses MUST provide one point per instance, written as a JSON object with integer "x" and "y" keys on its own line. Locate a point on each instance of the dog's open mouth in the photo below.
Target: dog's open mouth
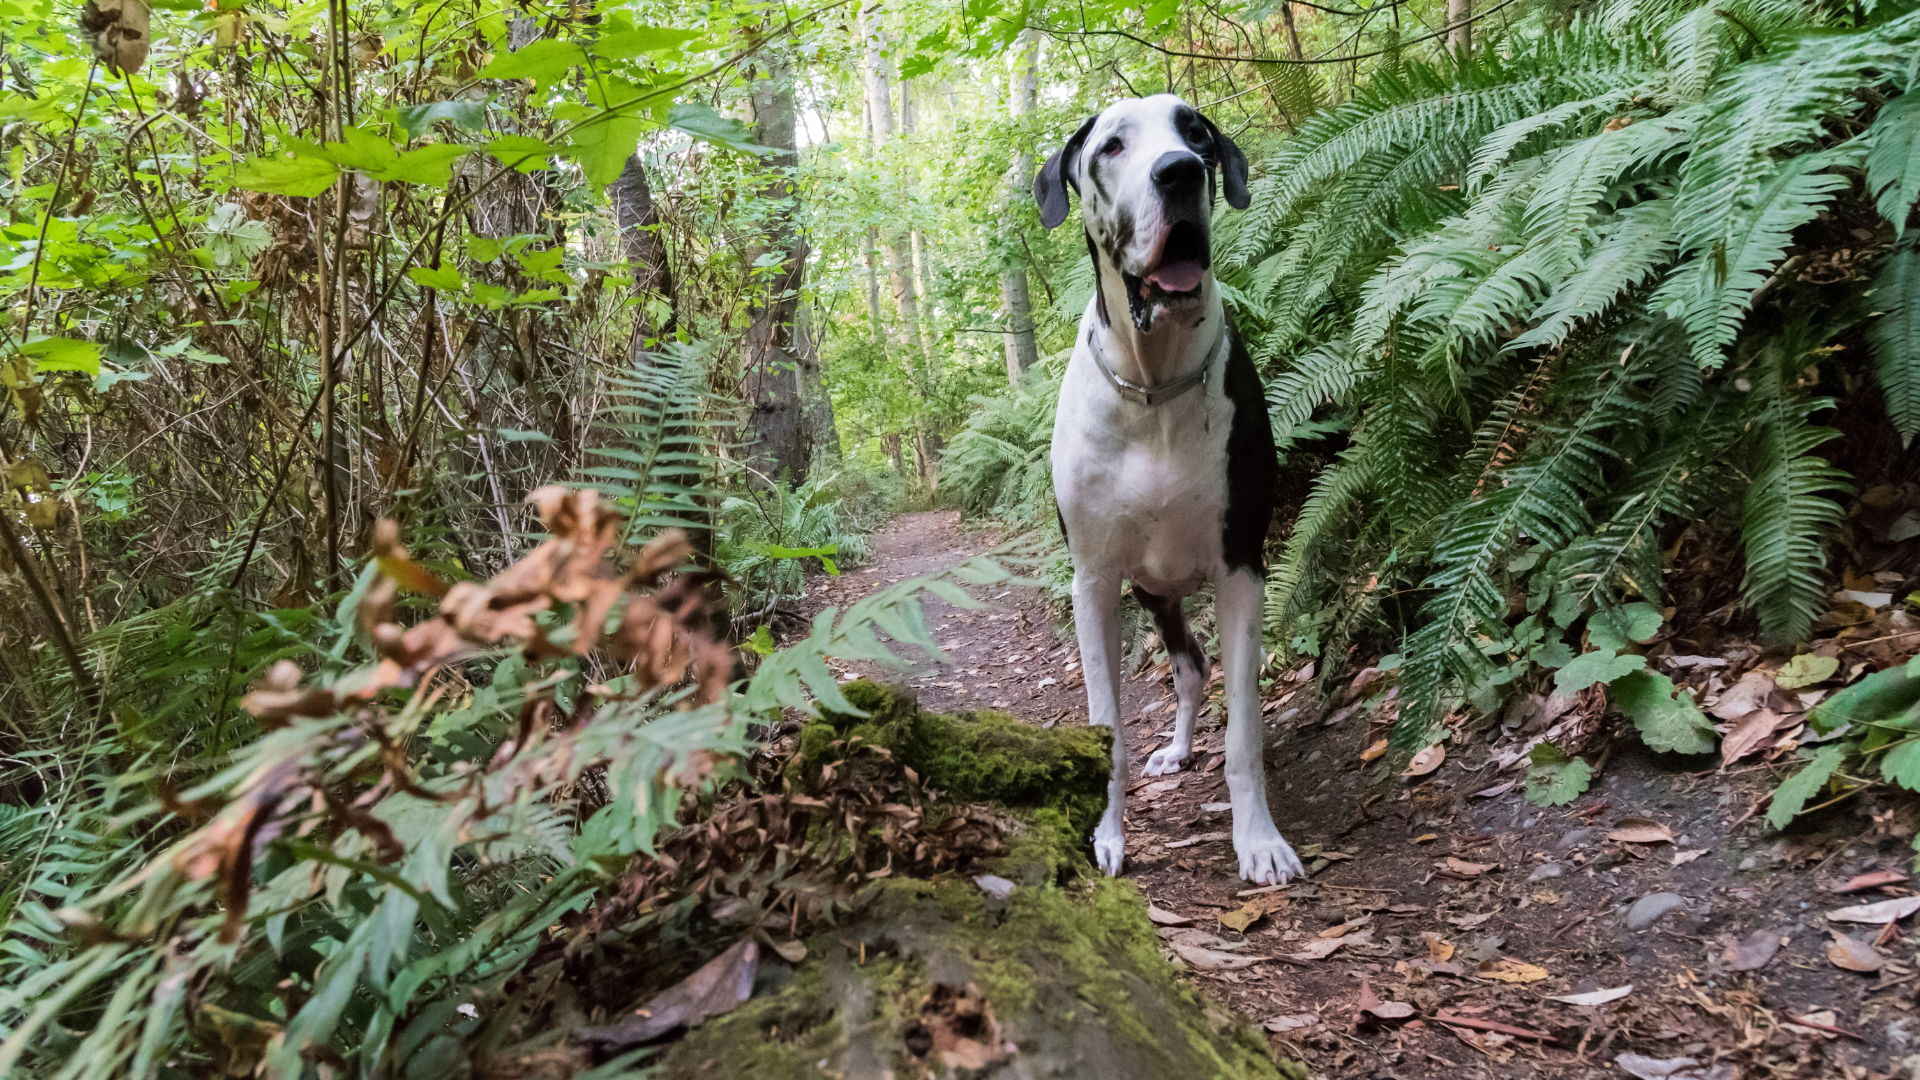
{"x": 1184, "y": 261}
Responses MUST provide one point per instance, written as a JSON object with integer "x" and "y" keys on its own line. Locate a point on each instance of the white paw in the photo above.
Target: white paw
{"x": 1168, "y": 759}
{"x": 1267, "y": 859}
{"x": 1110, "y": 848}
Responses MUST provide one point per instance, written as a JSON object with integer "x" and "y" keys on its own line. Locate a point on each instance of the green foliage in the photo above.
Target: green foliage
{"x": 1896, "y": 337}
{"x": 1792, "y": 794}
{"x": 1667, "y": 720}
{"x": 1554, "y": 777}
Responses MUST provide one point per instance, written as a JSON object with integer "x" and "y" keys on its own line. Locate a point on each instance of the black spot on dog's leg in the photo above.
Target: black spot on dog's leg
{"x": 1253, "y": 469}
{"x": 1172, "y": 624}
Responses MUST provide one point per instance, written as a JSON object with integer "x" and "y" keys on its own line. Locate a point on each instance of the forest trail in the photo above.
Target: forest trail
{"x": 1463, "y": 910}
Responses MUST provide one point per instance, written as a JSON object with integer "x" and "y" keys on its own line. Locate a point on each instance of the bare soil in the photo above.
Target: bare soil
{"x": 1444, "y": 887}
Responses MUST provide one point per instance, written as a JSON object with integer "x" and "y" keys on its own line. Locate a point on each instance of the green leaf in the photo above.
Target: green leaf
{"x": 287, "y": 174}
{"x": 1555, "y": 778}
{"x": 1630, "y": 623}
{"x": 1893, "y": 163}
{"x": 1902, "y": 763}
{"x": 1553, "y": 654}
{"x": 1806, "y": 670}
{"x": 642, "y": 41}
{"x": 1668, "y": 722}
{"x": 701, "y": 122}
{"x": 428, "y": 165}
{"x": 466, "y": 115}
{"x": 1876, "y": 698}
{"x": 1896, "y": 338}
{"x": 544, "y": 61}
{"x": 1792, "y": 795}
{"x": 602, "y": 146}
{"x": 63, "y": 354}
{"x": 363, "y": 150}
{"x": 821, "y": 553}
{"x": 761, "y": 642}
{"x": 444, "y": 278}
{"x": 1599, "y": 666}
{"x": 522, "y": 152}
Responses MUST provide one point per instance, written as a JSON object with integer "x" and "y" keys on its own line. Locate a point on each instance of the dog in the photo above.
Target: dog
{"x": 1164, "y": 470}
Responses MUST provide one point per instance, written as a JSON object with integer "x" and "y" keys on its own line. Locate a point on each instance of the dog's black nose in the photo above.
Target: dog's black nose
{"x": 1178, "y": 171}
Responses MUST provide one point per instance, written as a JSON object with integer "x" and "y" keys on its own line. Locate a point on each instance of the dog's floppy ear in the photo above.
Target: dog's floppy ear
{"x": 1050, "y": 186}
{"x": 1233, "y": 168}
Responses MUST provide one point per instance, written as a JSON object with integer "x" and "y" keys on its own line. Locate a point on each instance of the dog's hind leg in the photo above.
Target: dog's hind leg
{"x": 1265, "y": 857}
{"x": 1096, "y": 599}
{"x": 1190, "y": 671}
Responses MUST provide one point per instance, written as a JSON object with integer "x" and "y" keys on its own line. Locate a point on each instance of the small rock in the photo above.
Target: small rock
{"x": 1749, "y": 862}
{"x": 1574, "y": 839}
{"x": 1313, "y": 757}
{"x": 1652, "y": 908}
{"x": 1545, "y": 871}
{"x": 997, "y": 887}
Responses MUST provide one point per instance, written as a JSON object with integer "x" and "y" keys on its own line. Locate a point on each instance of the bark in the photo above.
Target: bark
{"x": 823, "y": 434}
{"x": 775, "y": 342}
{"x": 646, "y": 252}
{"x": 1023, "y": 350}
{"x": 1293, "y": 34}
{"x": 1460, "y": 37}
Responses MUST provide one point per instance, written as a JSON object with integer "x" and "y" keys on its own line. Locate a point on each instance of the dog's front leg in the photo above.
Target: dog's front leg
{"x": 1096, "y": 599}
{"x": 1265, "y": 857}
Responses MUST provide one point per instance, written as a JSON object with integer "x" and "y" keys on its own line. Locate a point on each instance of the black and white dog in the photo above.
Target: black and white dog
{"x": 1163, "y": 458}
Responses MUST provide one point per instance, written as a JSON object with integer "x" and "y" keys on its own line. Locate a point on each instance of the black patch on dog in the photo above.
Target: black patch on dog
{"x": 1172, "y": 624}
{"x": 1099, "y": 294}
{"x": 1253, "y": 470}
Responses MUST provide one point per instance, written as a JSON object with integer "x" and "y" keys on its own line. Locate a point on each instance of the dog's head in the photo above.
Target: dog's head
{"x": 1144, "y": 170}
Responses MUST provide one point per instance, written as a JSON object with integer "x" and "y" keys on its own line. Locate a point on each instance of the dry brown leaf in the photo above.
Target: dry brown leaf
{"x": 1346, "y": 928}
{"x": 1439, "y": 949}
{"x": 1426, "y": 760}
{"x": 1373, "y": 753}
{"x": 792, "y": 952}
{"x": 1470, "y": 922}
{"x": 1320, "y": 950}
{"x": 1242, "y": 918}
{"x": 1496, "y": 790}
{"x": 717, "y": 987}
{"x": 1511, "y": 971}
{"x": 1639, "y": 830}
{"x": 1385, "y": 1010}
{"x": 1597, "y": 997}
{"x": 1429, "y": 837}
{"x": 1470, "y": 869}
{"x": 1162, "y": 917}
{"x": 1208, "y": 960}
{"x": 1682, "y": 858}
{"x": 1885, "y": 911}
{"x": 1752, "y": 952}
{"x": 1872, "y": 881}
{"x": 1825, "y": 1018}
{"x": 1750, "y": 733}
{"x": 1280, "y": 1025}
{"x": 1853, "y": 954}
{"x": 1743, "y": 697}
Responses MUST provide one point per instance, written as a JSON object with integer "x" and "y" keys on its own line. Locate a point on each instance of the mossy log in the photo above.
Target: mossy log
{"x": 1060, "y": 977}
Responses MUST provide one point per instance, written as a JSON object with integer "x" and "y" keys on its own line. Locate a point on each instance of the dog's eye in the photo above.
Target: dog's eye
{"x": 1112, "y": 146}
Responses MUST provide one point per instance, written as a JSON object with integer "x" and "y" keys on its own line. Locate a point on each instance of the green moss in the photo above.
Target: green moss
{"x": 983, "y": 756}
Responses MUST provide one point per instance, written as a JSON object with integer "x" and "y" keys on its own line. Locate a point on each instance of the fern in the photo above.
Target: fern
{"x": 1896, "y": 339}
{"x": 1288, "y": 590}
{"x": 1326, "y": 373}
{"x": 1635, "y": 245}
{"x": 1893, "y": 162}
{"x": 1787, "y": 513}
{"x": 660, "y": 429}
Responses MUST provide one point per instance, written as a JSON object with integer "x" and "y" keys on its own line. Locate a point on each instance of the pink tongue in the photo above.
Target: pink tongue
{"x": 1177, "y": 277}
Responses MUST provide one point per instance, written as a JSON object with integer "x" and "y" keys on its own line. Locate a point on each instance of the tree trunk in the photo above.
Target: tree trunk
{"x": 777, "y": 447}
{"x": 1023, "y": 351}
{"x": 1460, "y": 34}
{"x": 823, "y": 434}
{"x": 1293, "y": 34}
{"x": 646, "y": 253}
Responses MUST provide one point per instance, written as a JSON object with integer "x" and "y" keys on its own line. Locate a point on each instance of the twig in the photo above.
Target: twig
{"x": 46, "y": 219}
{"x": 1442, "y": 32}
{"x": 1797, "y": 1022}
{"x": 1503, "y": 1029}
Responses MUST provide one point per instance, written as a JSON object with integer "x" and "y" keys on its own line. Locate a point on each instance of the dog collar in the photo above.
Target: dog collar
{"x": 1151, "y": 395}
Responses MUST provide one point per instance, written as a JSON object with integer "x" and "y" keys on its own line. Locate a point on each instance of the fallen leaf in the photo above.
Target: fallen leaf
{"x": 1825, "y": 1018}
{"x": 1191, "y": 935}
{"x": 1427, "y": 838}
{"x": 1385, "y": 1010}
{"x": 1470, "y": 869}
{"x": 1743, "y": 697}
{"x": 1752, "y": 952}
{"x": 1639, "y": 830}
{"x": 1346, "y": 928}
{"x": 1161, "y": 917}
{"x": 1280, "y": 1025}
{"x": 1241, "y": 919}
{"x": 717, "y": 987}
{"x": 1372, "y": 753}
{"x": 1216, "y": 807}
{"x": 1808, "y": 669}
{"x": 1439, "y": 949}
{"x": 1872, "y": 881}
{"x": 791, "y": 951}
{"x": 1470, "y": 922}
{"x": 1203, "y": 838}
{"x": 1680, "y": 1068}
{"x": 1426, "y": 760}
{"x": 1320, "y": 950}
{"x": 1496, "y": 790}
{"x": 1597, "y": 997}
{"x": 1209, "y": 960}
{"x": 1853, "y": 954}
{"x": 1511, "y": 971}
{"x": 1159, "y": 788}
{"x": 1750, "y": 733}
{"x": 1546, "y": 896}
{"x": 1334, "y": 856}
{"x": 1885, "y": 911}
{"x": 1682, "y": 858}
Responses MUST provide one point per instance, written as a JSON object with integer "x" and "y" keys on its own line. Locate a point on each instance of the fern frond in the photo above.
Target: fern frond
{"x": 1289, "y": 591}
{"x": 1787, "y": 514}
{"x": 1896, "y": 339}
{"x": 1326, "y": 373}
{"x": 1497, "y": 147}
{"x": 1579, "y": 177}
{"x": 1634, "y": 245}
{"x": 1893, "y": 163}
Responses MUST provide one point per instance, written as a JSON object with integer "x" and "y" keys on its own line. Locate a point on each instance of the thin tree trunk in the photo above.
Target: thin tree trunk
{"x": 777, "y": 447}
{"x": 823, "y": 436}
{"x": 1460, "y": 36}
{"x": 1293, "y": 34}
{"x": 1023, "y": 351}
{"x": 638, "y": 219}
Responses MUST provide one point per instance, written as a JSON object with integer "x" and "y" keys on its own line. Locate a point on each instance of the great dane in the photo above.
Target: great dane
{"x": 1163, "y": 459}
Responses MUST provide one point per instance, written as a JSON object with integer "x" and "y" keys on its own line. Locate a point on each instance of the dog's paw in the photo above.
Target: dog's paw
{"x": 1268, "y": 859}
{"x": 1167, "y": 759}
{"x": 1109, "y": 848}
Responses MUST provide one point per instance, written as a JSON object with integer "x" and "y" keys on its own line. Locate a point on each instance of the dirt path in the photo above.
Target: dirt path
{"x": 1452, "y": 896}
